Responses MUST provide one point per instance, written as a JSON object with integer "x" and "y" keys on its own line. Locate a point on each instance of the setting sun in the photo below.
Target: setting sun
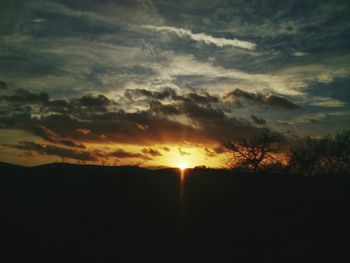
{"x": 182, "y": 165}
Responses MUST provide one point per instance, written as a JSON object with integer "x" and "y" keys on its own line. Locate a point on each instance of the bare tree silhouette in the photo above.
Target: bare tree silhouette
{"x": 326, "y": 155}
{"x": 254, "y": 154}
{"x": 342, "y": 152}
{"x": 306, "y": 157}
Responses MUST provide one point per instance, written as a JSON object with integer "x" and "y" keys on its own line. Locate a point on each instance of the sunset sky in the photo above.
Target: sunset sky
{"x": 162, "y": 82}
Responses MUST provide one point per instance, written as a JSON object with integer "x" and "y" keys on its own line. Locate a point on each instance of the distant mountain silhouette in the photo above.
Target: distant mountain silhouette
{"x": 73, "y": 169}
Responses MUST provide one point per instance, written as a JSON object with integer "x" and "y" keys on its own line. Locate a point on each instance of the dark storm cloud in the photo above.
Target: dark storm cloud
{"x": 53, "y": 150}
{"x": 158, "y": 107}
{"x": 203, "y": 99}
{"x": 182, "y": 152}
{"x": 153, "y": 95}
{"x": 3, "y": 85}
{"x": 134, "y": 128}
{"x": 122, "y": 154}
{"x": 199, "y": 113}
{"x": 62, "y": 121}
{"x": 280, "y": 102}
{"x": 168, "y": 93}
{"x": 88, "y": 103}
{"x": 151, "y": 152}
{"x": 52, "y": 137}
{"x": 271, "y": 100}
{"x": 210, "y": 152}
{"x": 215, "y": 124}
{"x": 66, "y": 119}
{"x": 257, "y": 120}
{"x": 75, "y": 154}
{"x": 99, "y": 101}
{"x": 212, "y": 122}
{"x": 26, "y": 97}
{"x": 166, "y": 149}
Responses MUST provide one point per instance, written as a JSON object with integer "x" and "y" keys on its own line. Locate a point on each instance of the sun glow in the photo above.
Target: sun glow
{"x": 182, "y": 166}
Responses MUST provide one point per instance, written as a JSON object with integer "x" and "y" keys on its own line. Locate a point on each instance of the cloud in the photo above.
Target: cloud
{"x": 202, "y": 98}
{"x": 299, "y": 54}
{"x": 257, "y": 120}
{"x": 90, "y": 155}
{"x": 200, "y": 37}
{"x": 280, "y": 102}
{"x": 167, "y": 149}
{"x": 326, "y": 102}
{"x": 170, "y": 94}
{"x": 272, "y": 101}
{"x": 122, "y": 154}
{"x": 216, "y": 125}
{"x": 183, "y": 153}
{"x": 99, "y": 101}
{"x": 152, "y": 152}
{"x": 320, "y": 117}
{"x": 97, "y": 74}
{"x": 24, "y": 96}
{"x": 190, "y": 117}
{"x": 48, "y": 149}
{"x": 166, "y": 93}
{"x": 213, "y": 152}
{"x": 210, "y": 152}
{"x": 3, "y": 85}
{"x": 201, "y": 110}
{"x": 158, "y": 107}
{"x": 67, "y": 119}
{"x": 180, "y": 66}
{"x": 136, "y": 128}
{"x": 52, "y": 137}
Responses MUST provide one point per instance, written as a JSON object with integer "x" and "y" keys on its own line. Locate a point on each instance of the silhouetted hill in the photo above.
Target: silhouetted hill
{"x": 74, "y": 169}
{"x": 79, "y": 213}
{"x": 4, "y": 166}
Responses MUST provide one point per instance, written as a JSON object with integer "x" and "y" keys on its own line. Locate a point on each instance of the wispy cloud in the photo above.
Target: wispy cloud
{"x": 201, "y": 37}
{"x": 299, "y": 54}
{"x": 327, "y": 102}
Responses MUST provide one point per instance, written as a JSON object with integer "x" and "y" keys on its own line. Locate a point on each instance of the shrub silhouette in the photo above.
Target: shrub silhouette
{"x": 254, "y": 154}
{"x": 324, "y": 156}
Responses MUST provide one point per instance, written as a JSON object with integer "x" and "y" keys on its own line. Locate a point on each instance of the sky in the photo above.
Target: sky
{"x": 160, "y": 82}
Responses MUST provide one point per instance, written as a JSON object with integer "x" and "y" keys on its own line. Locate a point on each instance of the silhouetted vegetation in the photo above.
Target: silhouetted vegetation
{"x": 328, "y": 155}
{"x": 254, "y": 154}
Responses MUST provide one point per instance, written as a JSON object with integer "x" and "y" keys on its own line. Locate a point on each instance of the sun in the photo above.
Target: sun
{"x": 182, "y": 166}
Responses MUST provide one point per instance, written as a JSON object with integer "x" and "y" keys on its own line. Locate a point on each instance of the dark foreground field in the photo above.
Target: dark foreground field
{"x": 64, "y": 213}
